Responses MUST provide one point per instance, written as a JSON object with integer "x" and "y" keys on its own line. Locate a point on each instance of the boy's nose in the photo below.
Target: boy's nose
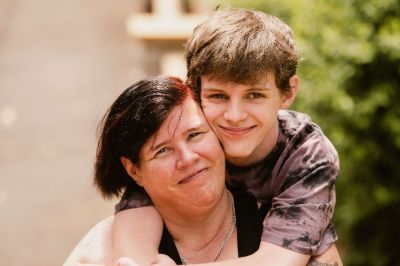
{"x": 235, "y": 112}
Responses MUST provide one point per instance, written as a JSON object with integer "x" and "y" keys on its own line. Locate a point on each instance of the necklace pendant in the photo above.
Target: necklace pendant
{"x": 227, "y": 237}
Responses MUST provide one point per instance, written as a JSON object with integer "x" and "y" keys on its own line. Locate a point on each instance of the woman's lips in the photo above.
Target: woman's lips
{"x": 192, "y": 176}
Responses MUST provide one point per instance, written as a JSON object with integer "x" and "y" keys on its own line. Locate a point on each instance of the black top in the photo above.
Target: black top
{"x": 249, "y": 227}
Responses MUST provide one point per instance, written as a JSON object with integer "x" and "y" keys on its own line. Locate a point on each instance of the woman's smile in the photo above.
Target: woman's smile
{"x": 194, "y": 175}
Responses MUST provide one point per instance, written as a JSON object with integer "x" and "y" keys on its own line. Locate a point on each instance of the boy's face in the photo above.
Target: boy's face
{"x": 244, "y": 117}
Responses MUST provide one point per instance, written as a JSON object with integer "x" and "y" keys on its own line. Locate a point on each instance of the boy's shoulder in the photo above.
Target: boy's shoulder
{"x": 306, "y": 148}
{"x": 292, "y": 122}
{"x": 299, "y": 131}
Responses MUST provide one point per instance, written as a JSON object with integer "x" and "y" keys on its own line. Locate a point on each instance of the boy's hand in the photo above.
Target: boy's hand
{"x": 137, "y": 240}
{"x": 162, "y": 260}
{"x": 95, "y": 248}
{"x": 124, "y": 261}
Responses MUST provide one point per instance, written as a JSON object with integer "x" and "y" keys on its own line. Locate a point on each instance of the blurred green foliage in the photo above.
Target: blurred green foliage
{"x": 350, "y": 73}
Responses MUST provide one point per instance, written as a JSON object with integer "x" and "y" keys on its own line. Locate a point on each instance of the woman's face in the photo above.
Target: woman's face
{"x": 183, "y": 163}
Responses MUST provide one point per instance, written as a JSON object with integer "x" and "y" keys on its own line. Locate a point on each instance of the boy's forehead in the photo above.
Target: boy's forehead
{"x": 262, "y": 81}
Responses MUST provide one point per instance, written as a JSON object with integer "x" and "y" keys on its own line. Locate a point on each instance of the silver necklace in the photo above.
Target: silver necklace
{"x": 227, "y": 237}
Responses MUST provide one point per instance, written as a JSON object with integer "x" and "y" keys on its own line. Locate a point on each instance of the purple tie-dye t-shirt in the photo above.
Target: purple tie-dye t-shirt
{"x": 296, "y": 180}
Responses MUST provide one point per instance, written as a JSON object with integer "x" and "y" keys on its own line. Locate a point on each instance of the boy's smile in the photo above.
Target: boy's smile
{"x": 244, "y": 117}
{"x": 236, "y": 131}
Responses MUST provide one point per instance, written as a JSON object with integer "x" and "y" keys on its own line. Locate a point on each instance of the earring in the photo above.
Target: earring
{"x": 138, "y": 181}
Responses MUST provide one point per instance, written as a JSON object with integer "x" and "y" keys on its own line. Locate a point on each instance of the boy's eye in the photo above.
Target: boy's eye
{"x": 255, "y": 95}
{"x": 218, "y": 96}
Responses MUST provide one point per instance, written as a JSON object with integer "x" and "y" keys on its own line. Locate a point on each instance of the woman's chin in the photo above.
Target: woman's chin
{"x": 206, "y": 197}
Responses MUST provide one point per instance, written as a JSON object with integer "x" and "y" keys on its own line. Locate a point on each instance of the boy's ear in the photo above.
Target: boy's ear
{"x": 131, "y": 169}
{"x": 289, "y": 95}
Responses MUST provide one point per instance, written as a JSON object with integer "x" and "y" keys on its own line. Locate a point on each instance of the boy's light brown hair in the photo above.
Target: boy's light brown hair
{"x": 241, "y": 45}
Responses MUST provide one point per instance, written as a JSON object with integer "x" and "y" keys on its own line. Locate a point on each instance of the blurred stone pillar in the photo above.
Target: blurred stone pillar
{"x": 164, "y": 30}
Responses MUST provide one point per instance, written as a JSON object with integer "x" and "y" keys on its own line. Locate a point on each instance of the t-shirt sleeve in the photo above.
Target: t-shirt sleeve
{"x": 133, "y": 199}
{"x": 301, "y": 213}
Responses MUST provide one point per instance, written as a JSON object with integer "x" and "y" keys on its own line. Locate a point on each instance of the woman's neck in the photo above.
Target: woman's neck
{"x": 198, "y": 240}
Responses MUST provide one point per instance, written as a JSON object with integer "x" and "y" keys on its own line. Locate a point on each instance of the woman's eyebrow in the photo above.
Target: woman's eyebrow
{"x": 194, "y": 128}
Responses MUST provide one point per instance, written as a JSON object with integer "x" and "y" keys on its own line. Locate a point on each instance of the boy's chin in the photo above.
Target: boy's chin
{"x": 239, "y": 156}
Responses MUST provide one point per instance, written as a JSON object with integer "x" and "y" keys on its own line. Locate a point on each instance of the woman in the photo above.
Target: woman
{"x": 155, "y": 140}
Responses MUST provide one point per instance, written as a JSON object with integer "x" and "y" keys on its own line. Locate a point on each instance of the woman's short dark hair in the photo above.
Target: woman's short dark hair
{"x": 132, "y": 119}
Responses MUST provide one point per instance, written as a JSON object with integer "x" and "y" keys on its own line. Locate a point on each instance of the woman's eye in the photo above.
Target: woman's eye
{"x": 195, "y": 134}
{"x": 161, "y": 151}
{"x": 255, "y": 95}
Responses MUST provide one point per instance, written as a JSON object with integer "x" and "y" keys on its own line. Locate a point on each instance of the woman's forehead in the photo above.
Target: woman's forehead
{"x": 182, "y": 120}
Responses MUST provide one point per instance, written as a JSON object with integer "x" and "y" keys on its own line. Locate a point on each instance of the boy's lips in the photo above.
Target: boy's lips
{"x": 236, "y": 131}
{"x": 192, "y": 176}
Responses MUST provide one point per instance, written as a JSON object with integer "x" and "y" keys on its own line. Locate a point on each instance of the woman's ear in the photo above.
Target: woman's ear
{"x": 289, "y": 95}
{"x": 131, "y": 169}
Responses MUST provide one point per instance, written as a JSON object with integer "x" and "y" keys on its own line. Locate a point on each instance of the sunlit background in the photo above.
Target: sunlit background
{"x": 62, "y": 63}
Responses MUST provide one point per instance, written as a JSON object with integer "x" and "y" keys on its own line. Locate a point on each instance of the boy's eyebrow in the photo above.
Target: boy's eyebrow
{"x": 258, "y": 88}
{"x": 252, "y": 88}
{"x": 211, "y": 89}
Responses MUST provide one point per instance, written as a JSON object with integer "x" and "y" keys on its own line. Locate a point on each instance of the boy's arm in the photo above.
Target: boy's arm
{"x": 270, "y": 254}
{"x": 137, "y": 234}
{"x": 95, "y": 248}
{"x": 330, "y": 257}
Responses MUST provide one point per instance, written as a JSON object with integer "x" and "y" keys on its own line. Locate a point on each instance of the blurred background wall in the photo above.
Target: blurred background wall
{"x": 62, "y": 63}
{"x": 350, "y": 85}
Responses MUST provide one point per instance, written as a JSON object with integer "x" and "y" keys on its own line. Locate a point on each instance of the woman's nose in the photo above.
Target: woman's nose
{"x": 187, "y": 157}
